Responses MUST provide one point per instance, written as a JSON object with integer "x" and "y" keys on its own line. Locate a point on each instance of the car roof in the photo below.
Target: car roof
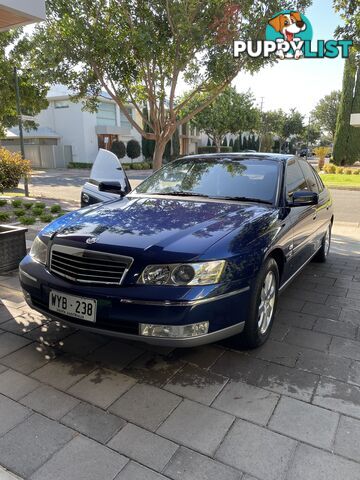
{"x": 280, "y": 157}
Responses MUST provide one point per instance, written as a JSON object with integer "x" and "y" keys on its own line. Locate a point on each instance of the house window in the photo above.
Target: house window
{"x": 61, "y": 104}
{"x": 106, "y": 114}
{"x": 124, "y": 122}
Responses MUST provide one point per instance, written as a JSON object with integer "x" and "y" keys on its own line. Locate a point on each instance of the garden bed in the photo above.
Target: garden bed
{"x": 25, "y": 212}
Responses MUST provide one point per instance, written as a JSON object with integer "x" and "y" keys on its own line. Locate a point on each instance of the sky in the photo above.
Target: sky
{"x": 299, "y": 84}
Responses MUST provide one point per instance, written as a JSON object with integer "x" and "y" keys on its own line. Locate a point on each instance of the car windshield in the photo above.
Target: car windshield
{"x": 225, "y": 178}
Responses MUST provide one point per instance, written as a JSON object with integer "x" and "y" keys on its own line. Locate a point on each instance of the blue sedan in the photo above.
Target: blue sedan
{"x": 196, "y": 253}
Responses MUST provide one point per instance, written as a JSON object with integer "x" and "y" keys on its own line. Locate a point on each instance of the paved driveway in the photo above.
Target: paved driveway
{"x": 77, "y": 406}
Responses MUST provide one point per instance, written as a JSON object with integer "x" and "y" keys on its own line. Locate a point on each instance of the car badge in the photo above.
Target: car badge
{"x": 91, "y": 240}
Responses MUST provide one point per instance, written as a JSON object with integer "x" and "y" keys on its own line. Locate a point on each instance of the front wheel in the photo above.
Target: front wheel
{"x": 262, "y": 306}
{"x": 323, "y": 252}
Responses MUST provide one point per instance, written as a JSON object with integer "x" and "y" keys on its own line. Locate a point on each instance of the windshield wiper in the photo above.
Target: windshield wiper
{"x": 246, "y": 199}
{"x": 181, "y": 194}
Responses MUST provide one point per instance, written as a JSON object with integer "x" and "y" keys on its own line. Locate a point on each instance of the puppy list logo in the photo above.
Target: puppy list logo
{"x": 289, "y": 35}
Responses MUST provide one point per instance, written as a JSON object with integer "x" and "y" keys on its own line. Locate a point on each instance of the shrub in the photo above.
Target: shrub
{"x": 356, "y": 171}
{"x": 329, "y": 168}
{"x": 133, "y": 149}
{"x": 348, "y": 171}
{"x": 213, "y": 149}
{"x": 340, "y": 170}
{"x": 16, "y": 203}
{"x": 28, "y": 205}
{"x": 46, "y": 217}
{"x": 40, "y": 205}
{"x": 55, "y": 209}
{"x": 4, "y": 216}
{"x": 321, "y": 152}
{"x": 19, "y": 212}
{"x": 27, "y": 220}
{"x": 80, "y": 165}
{"x": 12, "y": 168}
{"x": 3, "y": 202}
{"x": 118, "y": 148}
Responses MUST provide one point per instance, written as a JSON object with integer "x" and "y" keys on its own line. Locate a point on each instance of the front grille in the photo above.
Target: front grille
{"x": 87, "y": 266}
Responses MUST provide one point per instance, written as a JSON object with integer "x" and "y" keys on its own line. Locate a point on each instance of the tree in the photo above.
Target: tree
{"x": 208, "y": 142}
{"x": 282, "y": 124}
{"x": 350, "y": 14}
{"x": 321, "y": 153}
{"x": 32, "y": 90}
{"x": 230, "y": 112}
{"x": 176, "y": 143}
{"x": 118, "y": 148}
{"x": 326, "y": 111}
{"x": 225, "y": 143}
{"x": 354, "y": 133}
{"x": 311, "y": 134}
{"x": 133, "y": 149}
{"x": 231, "y": 143}
{"x": 341, "y": 143}
{"x": 267, "y": 142}
{"x": 236, "y": 147}
{"x": 138, "y": 51}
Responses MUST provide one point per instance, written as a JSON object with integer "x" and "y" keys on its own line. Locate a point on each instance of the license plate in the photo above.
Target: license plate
{"x": 72, "y": 306}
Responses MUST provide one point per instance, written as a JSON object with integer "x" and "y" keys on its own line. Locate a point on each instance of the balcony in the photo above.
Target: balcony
{"x": 16, "y": 13}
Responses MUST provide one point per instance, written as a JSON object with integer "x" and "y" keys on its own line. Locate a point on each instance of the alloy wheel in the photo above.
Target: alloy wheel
{"x": 267, "y": 302}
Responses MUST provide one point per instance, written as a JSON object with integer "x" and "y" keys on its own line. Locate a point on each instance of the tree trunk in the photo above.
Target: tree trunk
{"x": 158, "y": 154}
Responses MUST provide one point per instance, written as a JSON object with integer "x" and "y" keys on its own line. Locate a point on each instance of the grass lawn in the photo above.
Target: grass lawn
{"x": 344, "y": 181}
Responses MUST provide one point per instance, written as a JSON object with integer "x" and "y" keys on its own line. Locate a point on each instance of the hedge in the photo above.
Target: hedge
{"x": 212, "y": 149}
{"x": 12, "y": 169}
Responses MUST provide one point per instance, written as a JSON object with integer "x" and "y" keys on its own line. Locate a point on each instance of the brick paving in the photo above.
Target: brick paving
{"x": 75, "y": 405}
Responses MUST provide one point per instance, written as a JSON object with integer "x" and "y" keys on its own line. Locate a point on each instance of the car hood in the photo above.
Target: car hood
{"x": 155, "y": 224}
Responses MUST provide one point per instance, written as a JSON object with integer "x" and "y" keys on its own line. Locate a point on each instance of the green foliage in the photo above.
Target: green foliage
{"x": 118, "y": 148}
{"x": 141, "y": 51}
{"x": 208, "y": 142}
{"x": 55, "y": 208}
{"x": 225, "y": 142}
{"x": 32, "y": 89}
{"x": 230, "y": 112}
{"x": 19, "y": 212}
{"x": 133, "y": 149}
{"x": 350, "y": 14}
{"x": 39, "y": 205}
{"x": 12, "y": 167}
{"x": 4, "y": 217}
{"x": 80, "y": 165}
{"x": 267, "y": 142}
{"x": 329, "y": 168}
{"x": 137, "y": 166}
{"x": 326, "y": 111}
{"x": 231, "y": 143}
{"x": 27, "y": 220}
{"x": 28, "y": 205}
{"x": 3, "y": 202}
{"x": 354, "y": 133}
{"x": 17, "y": 203}
{"x": 341, "y": 151}
{"x": 282, "y": 124}
{"x": 213, "y": 149}
{"x": 46, "y": 217}
{"x": 236, "y": 147}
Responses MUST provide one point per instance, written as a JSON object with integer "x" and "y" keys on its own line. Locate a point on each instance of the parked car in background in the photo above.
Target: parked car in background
{"x": 196, "y": 253}
{"x": 107, "y": 180}
{"x": 306, "y": 152}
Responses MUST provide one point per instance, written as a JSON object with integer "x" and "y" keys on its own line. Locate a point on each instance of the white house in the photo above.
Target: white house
{"x": 16, "y": 13}
{"x": 86, "y": 132}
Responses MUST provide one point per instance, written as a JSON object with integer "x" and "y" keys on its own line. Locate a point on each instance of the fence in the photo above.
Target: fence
{"x": 46, "y": 156}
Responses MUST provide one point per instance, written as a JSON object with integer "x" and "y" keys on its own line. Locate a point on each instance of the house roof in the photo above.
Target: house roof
{"x": 40, "y": 132}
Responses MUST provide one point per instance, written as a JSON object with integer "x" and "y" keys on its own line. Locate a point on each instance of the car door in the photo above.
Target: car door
{"x": 321, "y": 216}
{"x": 302, "y": 218}
{"x": 106, "y": 168}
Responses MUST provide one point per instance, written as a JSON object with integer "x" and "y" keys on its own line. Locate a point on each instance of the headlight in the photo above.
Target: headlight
{"x": 39, "y": 251}
{"x": 205, "y": 273}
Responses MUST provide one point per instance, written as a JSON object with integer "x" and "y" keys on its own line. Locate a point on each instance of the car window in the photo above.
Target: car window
{"x": 216, "y": 178}
{"x": 294, "y": 179}
{"x": 309, "y": 176}
{"x": 321, "y": 186}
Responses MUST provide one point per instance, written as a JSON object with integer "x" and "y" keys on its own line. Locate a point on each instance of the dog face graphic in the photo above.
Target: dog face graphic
{"x": 288, "y": 24}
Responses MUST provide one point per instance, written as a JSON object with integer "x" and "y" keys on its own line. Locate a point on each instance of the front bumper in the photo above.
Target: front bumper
{"x": 119, "y": 313}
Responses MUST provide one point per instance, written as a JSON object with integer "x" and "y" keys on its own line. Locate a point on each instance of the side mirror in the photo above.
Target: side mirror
{"x": 303, "y": 198}
{"x": 111, "y": 187}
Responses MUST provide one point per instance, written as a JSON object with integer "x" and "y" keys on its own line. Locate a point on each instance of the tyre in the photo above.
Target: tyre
{"x": 323, "y": 252}
{"x": 262, "y": 306}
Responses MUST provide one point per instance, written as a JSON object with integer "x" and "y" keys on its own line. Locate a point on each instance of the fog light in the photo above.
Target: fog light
{"x": 174, "y": 331}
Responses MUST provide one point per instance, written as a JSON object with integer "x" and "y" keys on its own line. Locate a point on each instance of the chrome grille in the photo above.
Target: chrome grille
{"x": 88, "y": 266}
